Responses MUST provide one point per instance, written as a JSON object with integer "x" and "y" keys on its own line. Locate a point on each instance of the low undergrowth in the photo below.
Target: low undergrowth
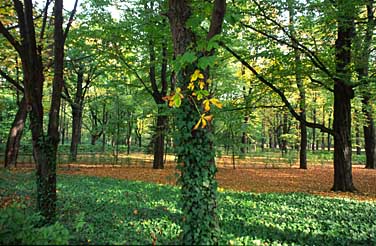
{"x": 95, "y": 210}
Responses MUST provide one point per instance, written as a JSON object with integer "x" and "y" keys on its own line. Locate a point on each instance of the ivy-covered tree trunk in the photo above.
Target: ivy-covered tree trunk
{"x": 194, "y": 147}
{"x": 15, "y": 134}
{"x": 343, "y": 93}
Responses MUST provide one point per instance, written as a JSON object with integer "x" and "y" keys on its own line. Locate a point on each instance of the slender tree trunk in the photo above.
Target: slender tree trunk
{"x": 159, "y": 141}
{"x": 357, "y": 140}
{"x": 129, "y": 134}
{"x": 329, "y": 144}
{"x": 313, "y": 130}
{"x": 285, "y": 131}
{"x": 369, "y": 135}
{"x": 362, "y": 69}
{"x": 322, "y": 133}
{"x": 15, "y": 134}
{"x": 302, "y": 93}
{"x": 244, "y": 148}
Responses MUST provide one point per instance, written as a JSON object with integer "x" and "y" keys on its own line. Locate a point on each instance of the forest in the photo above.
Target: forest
{"x": 187, "y": 122}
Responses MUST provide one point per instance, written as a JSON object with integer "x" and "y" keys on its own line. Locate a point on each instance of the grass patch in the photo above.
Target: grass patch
{"x": 110, "y": 211}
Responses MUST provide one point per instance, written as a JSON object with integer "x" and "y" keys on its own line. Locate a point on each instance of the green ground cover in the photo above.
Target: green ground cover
{"x": 109, "y": 211}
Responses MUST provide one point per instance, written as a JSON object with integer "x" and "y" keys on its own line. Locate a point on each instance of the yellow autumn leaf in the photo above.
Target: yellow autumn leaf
{"x": 206, "y": 104}
{"x": 204, "y": 120}
{"x": 209, "y": 118}
{"x": 196, "y": 75}
{"x": 204, "y": 123}
{"x": 201, "y": 84}
{"x": 197, "y": 124}
{"x": 216, "y": 102}
{"x": 191, "y": 86}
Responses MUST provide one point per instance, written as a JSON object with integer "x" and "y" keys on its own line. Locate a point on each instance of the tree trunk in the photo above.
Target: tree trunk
{"x": 76, "y": 131}
{"x": 369, "y": 135}
{"x": 314, "y": 130}
{"x": 244, "y": 148}
{"x": 342, "y": 138}
{"x": 195, "y": 151}
{"x": 301, "y": 88}
{"x": 357, "y": 140}
{"x": 285, "y": 130}
{"x": 159, "y": 142}
{"x": 15, "y": 134}
{"x": 329, "y": 136}
{"x": 343, "y": 93}
{"x": 362, "y": 69}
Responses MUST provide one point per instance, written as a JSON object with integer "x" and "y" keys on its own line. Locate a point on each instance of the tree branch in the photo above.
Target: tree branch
{"x": 10, "y": 38}
{"x": 70, "y": 21}
{"x": 320, "y": 83}
{"x": 278, "y": 91}
{"x": 12, "y": 81}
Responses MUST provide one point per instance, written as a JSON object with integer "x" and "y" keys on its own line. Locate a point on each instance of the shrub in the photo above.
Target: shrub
{"x": 17, "y": 226}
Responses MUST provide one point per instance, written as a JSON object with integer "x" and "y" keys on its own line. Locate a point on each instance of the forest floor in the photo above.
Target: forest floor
{"x": 315, "y": 180}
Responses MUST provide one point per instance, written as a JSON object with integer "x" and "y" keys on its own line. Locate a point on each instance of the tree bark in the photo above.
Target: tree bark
{"x": 244, "y": 147}
{"x": 159, "y": 141}
{"x": 15, "y": 134}
{"x": 357, "y": 140}
{"x": 195, "y": 151}
{"x": 343, "y": 93}
{"x": 76, "y": 131}
{"x": 369, "y": 134}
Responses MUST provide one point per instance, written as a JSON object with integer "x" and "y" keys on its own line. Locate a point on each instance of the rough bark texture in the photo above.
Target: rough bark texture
{"x": 343, "y": 93}
{"x": 15, "y": 134}
{"x": 159, "y": 141}
{"x": 76, "y": 131}
{"x": 44, "y": 145}
{"x": 194, "y": 146}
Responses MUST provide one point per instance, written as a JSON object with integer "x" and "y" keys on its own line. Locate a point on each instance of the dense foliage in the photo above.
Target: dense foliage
{"x": 109, "y": 211}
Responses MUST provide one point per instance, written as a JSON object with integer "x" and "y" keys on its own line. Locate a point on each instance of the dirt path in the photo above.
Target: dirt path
{"x": 315, "y": 180}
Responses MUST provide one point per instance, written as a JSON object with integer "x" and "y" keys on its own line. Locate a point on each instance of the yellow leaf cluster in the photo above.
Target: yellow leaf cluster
{"x": 203, "y": 121}
{"x": 206, "y": 103}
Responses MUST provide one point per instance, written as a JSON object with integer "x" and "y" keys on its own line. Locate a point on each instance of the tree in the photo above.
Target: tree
{"x": 345, "y": 13}
{"x": 362, "y": 45}
{"x": 29, "y": 48}
{"x": 195, "y": 149}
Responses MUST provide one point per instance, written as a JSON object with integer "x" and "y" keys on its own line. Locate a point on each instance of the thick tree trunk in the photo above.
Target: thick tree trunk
{"x": 159, "y": 141}
{"x": 76, "y": 131}
{"x": 343, "y": 93}
{"x": 342, "y": 139}
{"x": 15, "y": 134}
{"x": 195, "y": 151}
